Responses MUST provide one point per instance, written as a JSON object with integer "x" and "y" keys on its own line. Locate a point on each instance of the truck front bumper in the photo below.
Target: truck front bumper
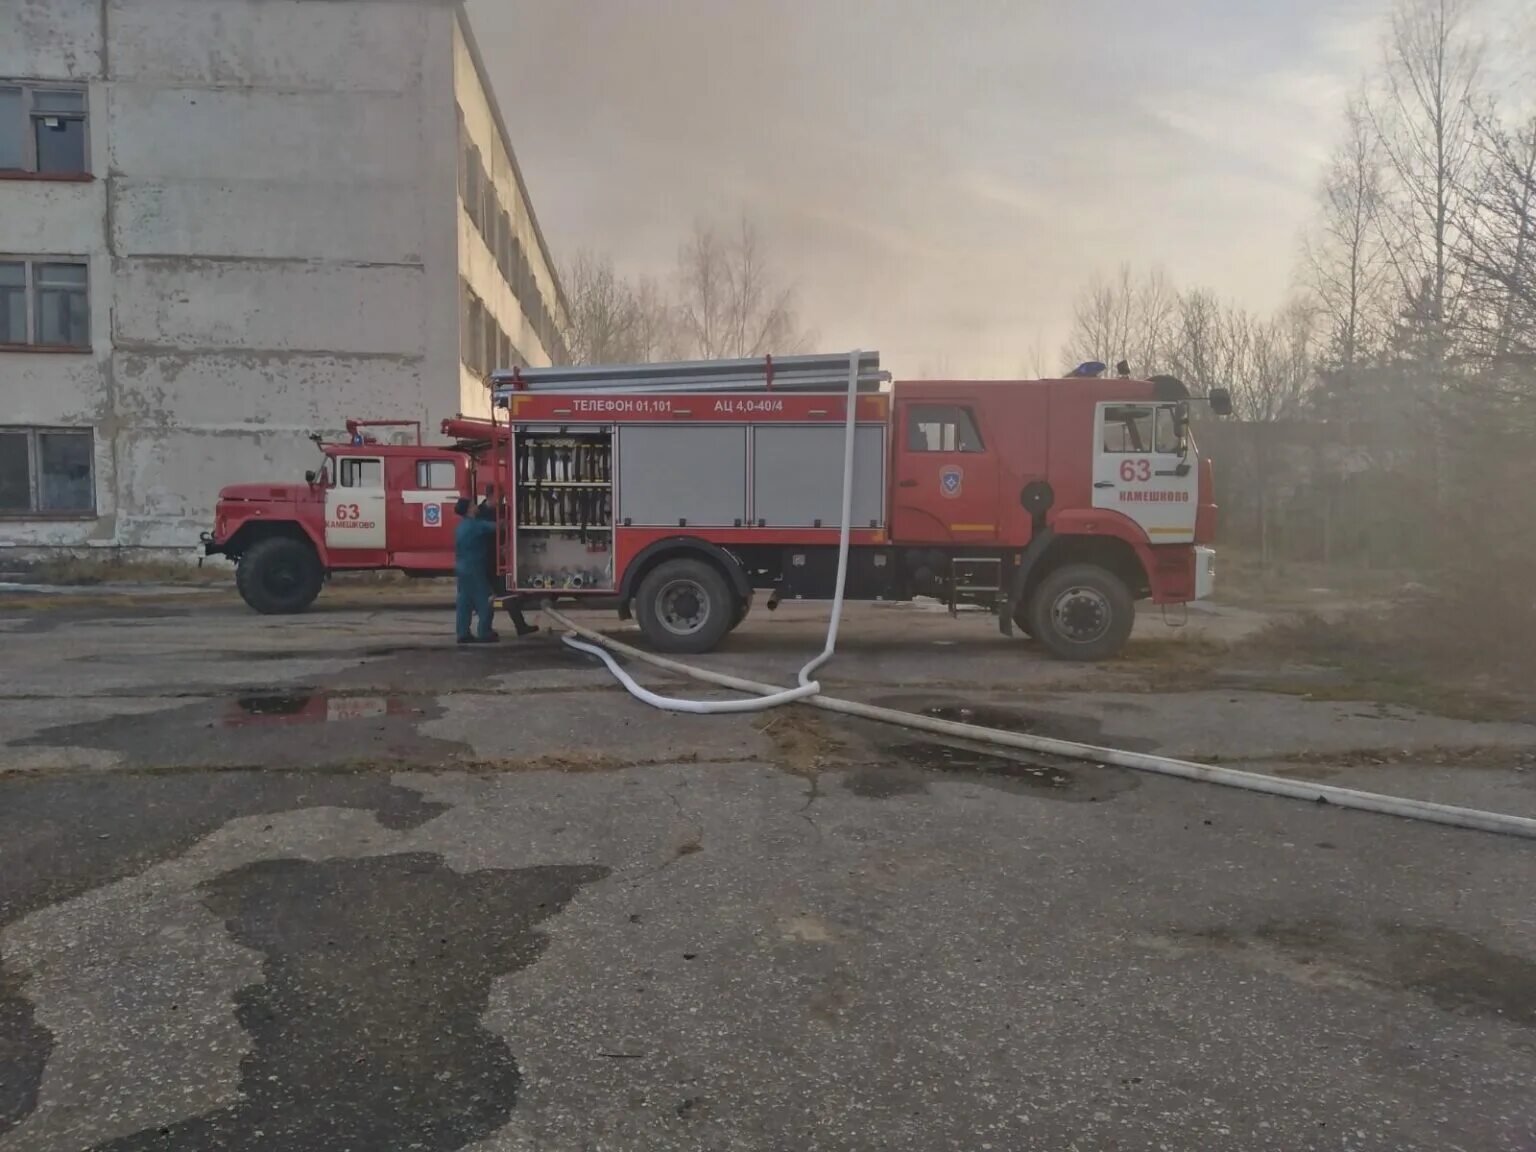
{"x": 211, "y": 547}
{"x": 1205, "y": 572}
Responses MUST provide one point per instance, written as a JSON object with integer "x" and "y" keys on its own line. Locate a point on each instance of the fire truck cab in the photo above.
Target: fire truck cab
{"x": 381, "y": 499}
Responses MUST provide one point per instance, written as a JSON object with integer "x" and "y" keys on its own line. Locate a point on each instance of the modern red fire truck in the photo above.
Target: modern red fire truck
{"x": 679, "y": 490}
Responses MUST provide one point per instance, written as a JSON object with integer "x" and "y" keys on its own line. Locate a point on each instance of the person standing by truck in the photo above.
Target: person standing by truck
{"x": 489, "y": 510}
{"x": 472, "y": 543}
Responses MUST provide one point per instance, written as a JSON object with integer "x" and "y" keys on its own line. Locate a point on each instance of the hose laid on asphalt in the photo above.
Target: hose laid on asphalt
{"x": 770, "y": 697}
{"x": 1424, "y": 810}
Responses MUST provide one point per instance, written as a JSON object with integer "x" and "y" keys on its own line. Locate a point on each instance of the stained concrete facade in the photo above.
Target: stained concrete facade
{"x": 276, "y": 240}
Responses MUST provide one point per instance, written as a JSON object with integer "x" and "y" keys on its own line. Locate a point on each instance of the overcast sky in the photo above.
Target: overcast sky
{"x": 936, "y": 179}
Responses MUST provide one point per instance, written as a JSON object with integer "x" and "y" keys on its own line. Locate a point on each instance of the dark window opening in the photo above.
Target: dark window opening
{"x": 942, "y": 428}
{"x": 44, "y": 130}
{"x": 47, "y": 470}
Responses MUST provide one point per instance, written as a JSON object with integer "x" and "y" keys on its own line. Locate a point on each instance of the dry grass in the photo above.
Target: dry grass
{"x": 89, "y": 571}
{"x": 1244, "y": 582}
{"x": 1431, "y": 652}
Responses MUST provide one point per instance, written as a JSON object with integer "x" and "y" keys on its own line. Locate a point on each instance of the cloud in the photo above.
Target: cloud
{"x": 937, "y": 180}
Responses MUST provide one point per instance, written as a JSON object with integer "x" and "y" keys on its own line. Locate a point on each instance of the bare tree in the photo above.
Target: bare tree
{"x": 1501, "y": 254}
{"x": 1344, "y": 262}
{"x": 729, "y": 302}
{"x": 1424, "y": 119}
{"x": 1270, "y": 386}
{"x": 1125, "y": 317}
{"x": 658, "y": 335}
{"x": 613, "y": 320}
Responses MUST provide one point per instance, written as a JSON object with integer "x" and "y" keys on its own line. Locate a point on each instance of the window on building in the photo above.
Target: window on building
{"x": 1140, "y": 428}
{"x": 362, "y": 473}
{"x": 504, "y": 352}
{"x": 474, "y": 180}
{"x": 463, "y": 157}
{"x": 437, "y": 475}
{"x": 942, "y": 428}
{"x": 489, "y": 351}
{"x": 43, "y": 130}
{"x": 44, "y": 304}
{"x": 477, "y": 324}
{"x": 47, "y": 470}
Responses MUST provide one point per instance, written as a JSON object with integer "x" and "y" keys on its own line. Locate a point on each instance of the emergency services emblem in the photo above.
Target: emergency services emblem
{"x": 432, "y": 515}
{"x": 950, "y": 479}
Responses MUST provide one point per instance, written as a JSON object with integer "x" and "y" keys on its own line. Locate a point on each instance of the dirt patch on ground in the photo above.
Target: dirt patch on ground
{"x": 802, "y": 743}
{"x": 1459, "y": 974}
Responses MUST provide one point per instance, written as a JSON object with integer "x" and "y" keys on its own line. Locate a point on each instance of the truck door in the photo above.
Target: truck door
{"x": 945, "y": 476}
{"x": 1144, "y": 469}
{"x": 422, "y": 492}
{"x": 354, "y": 518}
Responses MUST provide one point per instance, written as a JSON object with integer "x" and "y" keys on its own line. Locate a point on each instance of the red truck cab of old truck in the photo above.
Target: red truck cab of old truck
{"x": 1057, "y": 503}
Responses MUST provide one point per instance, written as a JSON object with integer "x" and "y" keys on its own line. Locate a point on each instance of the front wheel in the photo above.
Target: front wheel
{"x": 279, "y": 576}
{"x": 1082, "y": 612}
{"x": 684, "y": 605}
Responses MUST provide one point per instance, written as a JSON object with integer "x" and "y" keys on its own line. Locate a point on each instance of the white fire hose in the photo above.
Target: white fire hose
{"x": 809, "y": 692}
{"x": 770, "y": 697}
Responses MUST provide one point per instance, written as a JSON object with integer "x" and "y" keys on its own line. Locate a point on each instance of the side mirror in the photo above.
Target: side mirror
{"x": 1221, "y": 401}
{"x": 310, "y": 477}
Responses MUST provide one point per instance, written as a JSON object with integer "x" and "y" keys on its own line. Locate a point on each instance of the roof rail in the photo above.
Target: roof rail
{"x": 824, "y": 373}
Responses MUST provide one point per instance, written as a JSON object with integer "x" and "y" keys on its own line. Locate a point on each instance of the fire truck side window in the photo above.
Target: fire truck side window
{"x": 1167, "y": 431}
{"x": 942, "y": 428}
{"x": 1128, "y": 428}
{"x": 362, "y": 474}
{"x": 436, "y": 475}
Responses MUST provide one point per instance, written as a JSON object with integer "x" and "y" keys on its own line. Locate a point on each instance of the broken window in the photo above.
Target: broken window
{"x": 942, "y": 428}
{"x": 45, "y": 305}
{"x": 43, "y": 130}
{"x": 47, "y": 471}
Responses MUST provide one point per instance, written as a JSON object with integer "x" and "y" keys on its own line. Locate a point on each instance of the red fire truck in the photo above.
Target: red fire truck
{"x": 678, "y": 491}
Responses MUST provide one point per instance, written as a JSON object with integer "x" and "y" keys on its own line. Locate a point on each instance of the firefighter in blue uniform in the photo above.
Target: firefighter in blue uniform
{"x": 473, "y": 544}
{"x": 487, "y": 511}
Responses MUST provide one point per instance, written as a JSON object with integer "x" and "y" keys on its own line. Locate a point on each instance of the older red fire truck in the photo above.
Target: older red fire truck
{"x": 679, "y": 490}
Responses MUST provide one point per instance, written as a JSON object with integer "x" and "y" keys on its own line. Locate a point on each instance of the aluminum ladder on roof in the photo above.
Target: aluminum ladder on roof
{"x": 824, "y": 373}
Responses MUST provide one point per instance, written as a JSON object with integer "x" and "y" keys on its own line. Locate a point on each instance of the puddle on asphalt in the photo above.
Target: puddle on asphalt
{"x": 907, "y": 767}
{"x": 955, "y": 758}
{"x": 313, "y": 708}
{"x": 982, "y": 715}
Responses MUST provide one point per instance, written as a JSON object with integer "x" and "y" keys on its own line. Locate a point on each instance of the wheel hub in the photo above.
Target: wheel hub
{"x": 1082, "y": 615}
{"x": 684, "y": 607}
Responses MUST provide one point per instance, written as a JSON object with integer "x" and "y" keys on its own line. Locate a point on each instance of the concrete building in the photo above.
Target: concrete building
{"x": 225, "y": 224}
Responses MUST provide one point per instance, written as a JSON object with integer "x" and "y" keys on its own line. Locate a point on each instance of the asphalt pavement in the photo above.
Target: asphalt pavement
{"x": 332, "y": 882}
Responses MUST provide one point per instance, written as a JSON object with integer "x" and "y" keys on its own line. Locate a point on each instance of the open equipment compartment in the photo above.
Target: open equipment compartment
{"x": 564, "y": 509}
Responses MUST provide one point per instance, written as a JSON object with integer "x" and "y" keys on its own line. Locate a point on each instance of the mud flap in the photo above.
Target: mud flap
{"x": 1027, "y": 561}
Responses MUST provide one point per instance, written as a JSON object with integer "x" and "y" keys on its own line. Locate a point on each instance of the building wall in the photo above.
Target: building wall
{"x": 274, "y": 236}
{"x": 516, "y": 314}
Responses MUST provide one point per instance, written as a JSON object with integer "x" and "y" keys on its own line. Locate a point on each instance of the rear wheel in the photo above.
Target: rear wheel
{"x": 279, "y": 576}
{"x": 1081, "y": 612}
{"x": 685, "y": 605}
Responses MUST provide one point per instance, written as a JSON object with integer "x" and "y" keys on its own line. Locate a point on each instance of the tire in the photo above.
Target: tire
{"x": 1081, "y": 612}
{"x": 279, "y": 576}
{"x": 685, "y": 605}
